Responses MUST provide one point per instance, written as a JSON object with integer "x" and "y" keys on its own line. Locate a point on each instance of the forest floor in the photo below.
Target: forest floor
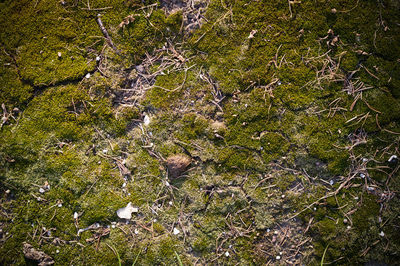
{"x": 200, "y": 132}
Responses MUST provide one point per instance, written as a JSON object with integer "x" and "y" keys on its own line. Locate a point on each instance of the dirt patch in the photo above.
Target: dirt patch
{"x": 177, "y": 164}
{"x": 192, "y": 12}
{"x": 36, "y": 255}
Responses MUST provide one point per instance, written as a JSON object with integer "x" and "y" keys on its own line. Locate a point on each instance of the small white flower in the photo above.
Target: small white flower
{"x": 76, "y": 215}
{"x": 57, "y": 251}
{"x": 136, "y": 231}
{"x": 170, "y": 203}
{"x": 98, "y": 58}
{"x": 41, "y": 190}
{"x": 227, "y": 254}
{"x": 278, "y": 257}
{"x": 59, "y": 205}
{"x": 59, "y": 54}
{"x": 382, "y": 234}
{"x": 87, "y": 75}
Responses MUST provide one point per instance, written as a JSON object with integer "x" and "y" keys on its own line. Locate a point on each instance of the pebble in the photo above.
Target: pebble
{"x": 146, "y": 120}
{"x": 278, "y": 257}
{"x": 176, "y": 231}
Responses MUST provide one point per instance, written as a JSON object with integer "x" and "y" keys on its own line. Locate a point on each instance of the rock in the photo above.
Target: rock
{"x": 177, "y": 164}
{"x": 36, "y": 255}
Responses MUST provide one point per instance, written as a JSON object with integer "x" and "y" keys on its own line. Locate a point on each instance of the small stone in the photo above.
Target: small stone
{"x": 278, "y": 257}
{"x": 177, "y": 164}
{"x": 146, "y": 120}
{"x": 176, "y": 231}
{"x": 333, "y": 10}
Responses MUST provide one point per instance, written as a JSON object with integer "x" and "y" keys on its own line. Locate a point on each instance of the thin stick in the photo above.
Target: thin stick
{"x": 105, "y": 33}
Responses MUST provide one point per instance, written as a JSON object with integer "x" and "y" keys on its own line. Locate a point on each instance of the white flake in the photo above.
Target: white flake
{"x": 393, "y": 157}
{"x": 146, "y": 120}
{"x": 126, "y": 212}
{"x": 176, "y": 231}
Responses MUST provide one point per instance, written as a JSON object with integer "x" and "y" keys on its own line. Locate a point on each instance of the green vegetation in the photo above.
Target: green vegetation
{"x": 290, "y": 112}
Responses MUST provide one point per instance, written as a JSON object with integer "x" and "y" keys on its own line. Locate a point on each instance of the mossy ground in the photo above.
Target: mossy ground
{"x": 290, "y": 113}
